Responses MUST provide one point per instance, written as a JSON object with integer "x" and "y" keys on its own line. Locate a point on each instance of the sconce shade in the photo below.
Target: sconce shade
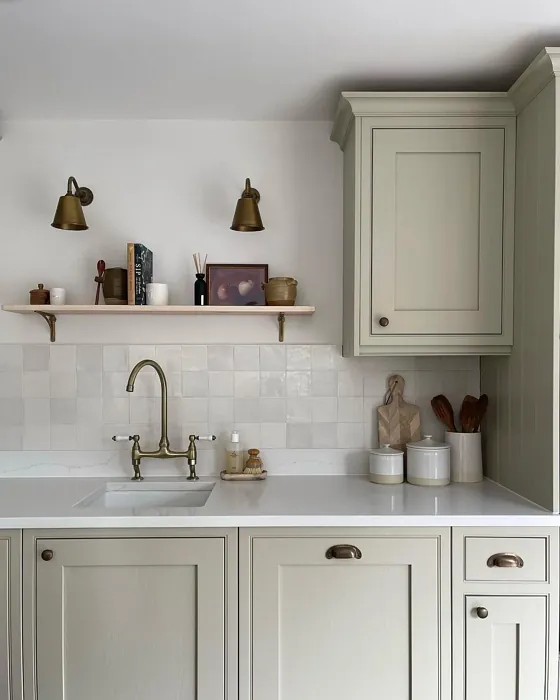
{"x": 69, "y": 215}
{"x": 247, "y": 216}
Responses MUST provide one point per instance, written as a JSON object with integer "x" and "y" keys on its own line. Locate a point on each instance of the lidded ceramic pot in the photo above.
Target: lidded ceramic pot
{"x": 428, "y": 462}
{"x": 386, "y": 465}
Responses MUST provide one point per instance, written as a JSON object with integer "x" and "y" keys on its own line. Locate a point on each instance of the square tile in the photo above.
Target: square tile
{"x": 324, "y": 435}
{"x": 350, "y": 435}
{"x": 36, "y": 412}
{"x": 326, "y": 357}
{"x": 114, "y": 384}
{"x": 195, "y": 411}
{"x": 36, "y": 385}
{"x": 89, "y": 437}
{"x": 64, "y": 411}
{"x": 298, "y": 410}
{"x": 220, "y": 357}
{"x": 246, "y": 357}
{"x": 324, "y": 409}
{"x": 195, "y": 383}
{"x": 115, "y": 410}
{"x": 63, "y": 385}
{"x": 11, "y": 412}
{"x": 298, "y": 383}
{"x": 145, "y": 410}
{"x": 273, "y": 435}
{"x": 64, "y": 437}
{"x": 175, "y": 384}
{"x": 428, "y": 385}
{"x": 194, "y": 358}
{"x": 324, "y": 383}
{"x": 220, "y": 383}
{"x": 137, "y": 353}
{"x": 272, "y": 358}
{"x": 247, "y": 384}
{"x": 89, "y": 384}
{"x": 170, "y": 358}
{"x": 247, "y": 411}
{"x": 375, "y": 383}
{"x": 220, "y": 411}
{"x": 299, "y": 435}
{"x": 371, "y": 404}
{"x": 11, "y": 384}
{"x": 273, "y": 384}
{"x": 11, "y": 357}
{"x": 89, "y": 411}
{"x": 36, "y": 358}
{"x": 147, "y": 383}
{"x": 350, "y": 410}
{"x": 350, "y": 383}
{"x": 371, "y": 435}
{"x": 115, "y": 358}
{"x": 11, "y": 437}
{"x": 89, "y": 358}
{"x": 36, "y": 437}
{"x": 272, "y": 410}
{"x": 250, "y": 435}
{"x": 62, "y": 358}
{"x": 298, "y": 357}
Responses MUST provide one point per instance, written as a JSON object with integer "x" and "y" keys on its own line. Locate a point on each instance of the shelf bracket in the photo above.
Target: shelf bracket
{"x": 281, "y": 322}
{"x": 51, "y": 320}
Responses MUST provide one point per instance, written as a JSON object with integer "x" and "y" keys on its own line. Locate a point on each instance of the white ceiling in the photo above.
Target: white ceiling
{"x": 254, "y": 59}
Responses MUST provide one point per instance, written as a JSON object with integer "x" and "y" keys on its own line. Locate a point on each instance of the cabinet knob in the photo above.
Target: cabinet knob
{"x": 505, "y": 561}
{"x": 47, "y": 554}
{"x": 384, "y": 321}
{"x": 343, "y": 551}
{"x": 482, "y": 613}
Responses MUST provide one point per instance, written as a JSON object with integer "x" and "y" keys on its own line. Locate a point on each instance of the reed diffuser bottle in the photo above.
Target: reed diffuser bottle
{"x": 200, "y": 290}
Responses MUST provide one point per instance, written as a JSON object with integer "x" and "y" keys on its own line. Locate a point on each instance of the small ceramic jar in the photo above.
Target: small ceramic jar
{"x": 428, "y": 462}
{"x": 386, "y": 465}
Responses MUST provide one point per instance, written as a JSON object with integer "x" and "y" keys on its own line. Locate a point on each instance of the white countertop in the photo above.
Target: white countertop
{"x": 281, "y": 501}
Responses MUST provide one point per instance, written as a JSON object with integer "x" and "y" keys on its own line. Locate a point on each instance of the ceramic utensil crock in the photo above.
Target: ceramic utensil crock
{"x": 428, "y": 462}
{"x": 466, "y": 456}
{"x": 386, "y": 465}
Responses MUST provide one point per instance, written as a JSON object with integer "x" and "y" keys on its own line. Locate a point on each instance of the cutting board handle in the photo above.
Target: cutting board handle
{"x": 395, "y": 384}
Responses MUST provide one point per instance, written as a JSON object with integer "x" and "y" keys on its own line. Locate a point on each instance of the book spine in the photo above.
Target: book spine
{"x": 130, "y": 274}
{"x": 140, "y": 290}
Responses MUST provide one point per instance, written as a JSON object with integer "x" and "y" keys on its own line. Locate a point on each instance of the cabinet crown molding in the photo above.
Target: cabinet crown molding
{"x": 421, "y": 104}
{"x": 542, "y": 70}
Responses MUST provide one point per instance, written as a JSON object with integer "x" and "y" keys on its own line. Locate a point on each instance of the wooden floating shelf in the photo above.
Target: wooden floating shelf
{"x": 50, "y": 313}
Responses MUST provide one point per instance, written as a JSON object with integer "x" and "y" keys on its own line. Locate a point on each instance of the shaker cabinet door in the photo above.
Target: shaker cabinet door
{"x": 359, "y": 628}
{"x": 506, "y": 648}
{"x": 434, "y": 259}
{"x": 130, "y": 619}
{"x": 10, "y": 620}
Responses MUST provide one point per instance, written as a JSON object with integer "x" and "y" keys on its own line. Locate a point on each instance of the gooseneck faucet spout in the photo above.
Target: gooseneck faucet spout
{"x": 164, "y": 451}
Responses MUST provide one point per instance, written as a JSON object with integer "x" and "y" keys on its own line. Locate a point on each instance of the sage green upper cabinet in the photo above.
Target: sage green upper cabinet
{"x": 428, "y": 222}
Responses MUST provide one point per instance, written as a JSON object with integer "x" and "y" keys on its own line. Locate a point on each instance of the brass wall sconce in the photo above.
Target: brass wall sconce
{"x": 247, "y": 216}
{"x": 69, "y": 215}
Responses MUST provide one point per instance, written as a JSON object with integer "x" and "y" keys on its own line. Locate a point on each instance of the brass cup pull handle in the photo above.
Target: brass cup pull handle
{"x": 47, "y": 554}
{"x": 384, "y": 321}
{"x": 505, "y": 561}
{"x": 343, "y": 551}
{"x": 482, "y": 613}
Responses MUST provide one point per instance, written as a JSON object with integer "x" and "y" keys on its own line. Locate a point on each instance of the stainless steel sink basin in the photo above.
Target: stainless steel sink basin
{"x": 149, "y": 495}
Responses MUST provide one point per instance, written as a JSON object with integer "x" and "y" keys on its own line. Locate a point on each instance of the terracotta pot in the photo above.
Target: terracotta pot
{"x": 280, "y": 291}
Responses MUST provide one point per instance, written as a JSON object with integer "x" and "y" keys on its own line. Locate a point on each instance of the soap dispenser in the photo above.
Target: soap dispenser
{"x": 234, "y": 455}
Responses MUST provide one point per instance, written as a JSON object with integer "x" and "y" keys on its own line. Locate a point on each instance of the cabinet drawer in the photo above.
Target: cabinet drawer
{"x": 486, "y": 560}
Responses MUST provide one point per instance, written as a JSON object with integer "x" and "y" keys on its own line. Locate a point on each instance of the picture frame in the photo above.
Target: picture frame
{"x": 236, "y": 285}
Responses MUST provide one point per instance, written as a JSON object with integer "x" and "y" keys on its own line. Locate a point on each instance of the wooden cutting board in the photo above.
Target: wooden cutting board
{"x": 398, "y": 421}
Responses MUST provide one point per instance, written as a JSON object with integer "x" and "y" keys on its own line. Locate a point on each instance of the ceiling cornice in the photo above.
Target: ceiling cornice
{"x": 542, "y": 70}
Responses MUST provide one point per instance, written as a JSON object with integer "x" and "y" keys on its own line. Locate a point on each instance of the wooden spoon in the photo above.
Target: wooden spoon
{"x": 99, "y": 278}
{"x": 481, "y": 408}
{"x": 467, "y": 413}
{"x": 444, "y": 411}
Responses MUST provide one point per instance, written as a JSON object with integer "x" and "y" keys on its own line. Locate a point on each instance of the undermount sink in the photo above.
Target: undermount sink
{"x": 149, "y": 495}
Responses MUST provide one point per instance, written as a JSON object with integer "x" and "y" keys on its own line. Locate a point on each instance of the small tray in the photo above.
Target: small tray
{"x": 243, "y": 477}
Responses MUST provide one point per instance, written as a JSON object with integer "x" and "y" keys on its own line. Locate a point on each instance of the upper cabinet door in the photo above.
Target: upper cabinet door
{"x": 130, "y": 619}
{"x": 434, "y": 257}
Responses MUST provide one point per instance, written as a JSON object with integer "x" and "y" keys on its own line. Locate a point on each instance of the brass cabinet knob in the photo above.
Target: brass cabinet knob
{"x": 384, "y": 321}
{"x": 343, "y": 551}
{"x": 47, "y": 554}
{"x": 505, "y": 561}
{"x": 482, "y": 613}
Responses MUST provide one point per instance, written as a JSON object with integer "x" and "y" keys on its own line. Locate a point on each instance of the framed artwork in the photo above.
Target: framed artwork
{"x": 236, "y": 285}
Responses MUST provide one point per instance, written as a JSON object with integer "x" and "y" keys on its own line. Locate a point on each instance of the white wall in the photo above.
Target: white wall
{"x": 172, "y": 185}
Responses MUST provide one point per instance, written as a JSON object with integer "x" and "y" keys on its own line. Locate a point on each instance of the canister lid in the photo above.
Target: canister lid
{"x": 428, "y": 444}
{"x": 386, "y": 450}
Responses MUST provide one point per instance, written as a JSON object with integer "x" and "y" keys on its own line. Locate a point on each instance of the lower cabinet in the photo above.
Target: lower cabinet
{"x": 10, "y": 615}
{"x": 131, "y": 618}
{"x": 355, "y": 614}
{"x": 506, "y": 647}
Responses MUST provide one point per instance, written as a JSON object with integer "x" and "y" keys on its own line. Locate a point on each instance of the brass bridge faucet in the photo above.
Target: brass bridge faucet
{"x": 164, "y": 451}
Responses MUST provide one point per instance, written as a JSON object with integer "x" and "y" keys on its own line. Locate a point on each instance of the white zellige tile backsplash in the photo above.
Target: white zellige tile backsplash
{"x": 73, "y": 397}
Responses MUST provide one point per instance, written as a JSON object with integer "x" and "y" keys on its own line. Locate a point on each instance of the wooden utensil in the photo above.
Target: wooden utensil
{"x": 481, "y": 408}
{"x": 444, "y": 412}
{"x": 99, "y": 278}
{"x": 466, "y": 414}
{"x": 398, "y": 421}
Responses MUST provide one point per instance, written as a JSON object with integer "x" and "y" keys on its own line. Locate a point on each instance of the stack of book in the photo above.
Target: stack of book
{"x": 140, "y": 271}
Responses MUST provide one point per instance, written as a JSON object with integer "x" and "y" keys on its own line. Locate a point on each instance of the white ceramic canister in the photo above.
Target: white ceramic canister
{"x": 157, "y": 294}
{"x": 466, "y": 456}
{"x": 428, "y": 462}
{"x": 386, "y": 465}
